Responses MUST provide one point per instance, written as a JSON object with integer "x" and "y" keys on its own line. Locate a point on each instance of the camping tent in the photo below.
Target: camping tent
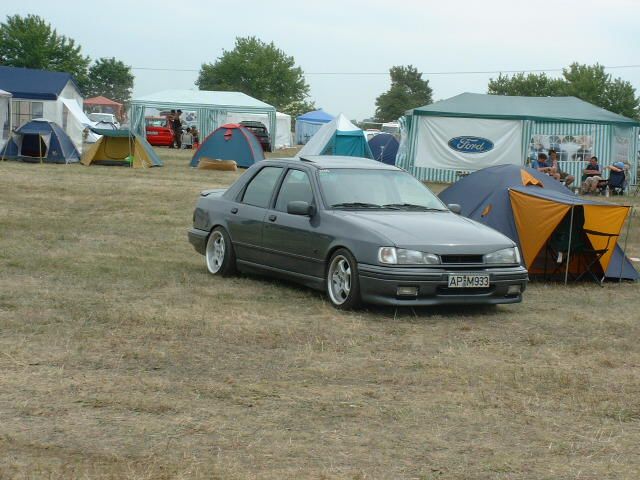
{"x": 121, "y": 148}
{"x": 211, "y": 108}
{"x": 283, "y": 126}
{"x": 309, "y": 123}
{"x": 471, "y": 131}
{"x": 338, "y": 137}
{"x": 528, "y": 207}
{"x": 384, "y": 148}
{"x": 5, "y": 117}
{"x": 230, "y": 142}
{"x": 40, "y": 141}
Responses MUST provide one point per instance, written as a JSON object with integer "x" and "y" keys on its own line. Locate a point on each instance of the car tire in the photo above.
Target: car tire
{"x": 342, "y": 280}
{"x": 220, "y": 258}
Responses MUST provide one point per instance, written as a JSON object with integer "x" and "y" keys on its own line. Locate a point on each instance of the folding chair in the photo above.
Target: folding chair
{"x": 559, "y": 248}
{"x": 595, "y": 254}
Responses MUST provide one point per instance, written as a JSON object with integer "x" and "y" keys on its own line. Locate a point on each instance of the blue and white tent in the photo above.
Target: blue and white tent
{"x": 384, "y": 148}
{"x": 338, "y": 137}
{"x": 309, "y": 123}
{"x": 40, "y": 141}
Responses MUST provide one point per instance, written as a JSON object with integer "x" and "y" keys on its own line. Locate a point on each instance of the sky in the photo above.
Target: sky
{"x": 335, "y": 42}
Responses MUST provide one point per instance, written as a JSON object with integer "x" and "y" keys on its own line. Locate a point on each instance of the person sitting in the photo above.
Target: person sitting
{"x": 565, "y": 177}
{"x": 591, "y": 176}
{"x": 617, "y": 178}
{"x": 545, "y": 167}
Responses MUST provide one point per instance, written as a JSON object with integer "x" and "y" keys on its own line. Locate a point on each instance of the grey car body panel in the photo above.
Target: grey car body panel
{"x": 298, "y": 247}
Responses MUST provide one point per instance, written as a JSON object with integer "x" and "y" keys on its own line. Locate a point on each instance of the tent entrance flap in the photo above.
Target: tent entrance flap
{"x": 535, "y": 219}
{"x": 604, "y": 219}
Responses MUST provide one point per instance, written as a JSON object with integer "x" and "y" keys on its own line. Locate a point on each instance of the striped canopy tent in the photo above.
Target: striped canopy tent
{"x": 211, "y": 108}
{"x": 5, "y": 117}
{"x": 472, "y": 131}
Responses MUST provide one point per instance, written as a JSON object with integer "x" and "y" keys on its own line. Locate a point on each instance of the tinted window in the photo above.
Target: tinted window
{"x": 296, "y": 187}
{"x": 378, "y": 187}
{"x": 260, "y": 188}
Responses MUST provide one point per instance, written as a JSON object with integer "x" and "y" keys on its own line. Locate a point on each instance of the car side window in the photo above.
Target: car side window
{"x": 295, "y": 187}
{"x": 258, "y": 192}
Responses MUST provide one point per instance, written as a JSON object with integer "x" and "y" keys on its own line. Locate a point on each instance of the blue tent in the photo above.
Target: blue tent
{"x": 40, "y": 141}
{"x": 338, "y": 137}
{"x": 384, "y": 148}
{"x": 529, "y": 206}
{"x": 230, "y": 142}
{"x": 309, "y": 123}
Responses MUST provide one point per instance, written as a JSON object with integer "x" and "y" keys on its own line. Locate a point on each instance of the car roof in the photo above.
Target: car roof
{"x": 338, "y": 161}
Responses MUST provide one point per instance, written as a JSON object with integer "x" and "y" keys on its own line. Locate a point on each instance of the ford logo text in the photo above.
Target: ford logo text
{"x": 470, "y": 144}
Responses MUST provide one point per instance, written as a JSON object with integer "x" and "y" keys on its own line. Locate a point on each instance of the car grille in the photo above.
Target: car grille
{"x": 459, "y": 259}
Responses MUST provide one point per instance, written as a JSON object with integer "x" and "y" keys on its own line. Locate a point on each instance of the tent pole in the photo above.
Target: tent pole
{"x": 566, "y": 272}
{"x": 626, "y": 237}
{"x": 40, "y": 147}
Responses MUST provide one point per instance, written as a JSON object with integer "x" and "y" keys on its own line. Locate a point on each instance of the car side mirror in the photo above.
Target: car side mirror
{"x": 455, "y": 208}
{"x": 299, "y": 207}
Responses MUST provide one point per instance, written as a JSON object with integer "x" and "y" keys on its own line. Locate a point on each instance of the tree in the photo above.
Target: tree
{"x": 588, "y": 82}
{"x": 407, "y": 91}
{"x": 31, "y": 42}
{"x": 531, "y": 85}
{"x": 258, "y": 69}
{"x": 111, "y": 78}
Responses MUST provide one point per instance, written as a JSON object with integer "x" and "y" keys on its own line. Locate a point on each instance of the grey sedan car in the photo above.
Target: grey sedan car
{"x": 358, "y": 229}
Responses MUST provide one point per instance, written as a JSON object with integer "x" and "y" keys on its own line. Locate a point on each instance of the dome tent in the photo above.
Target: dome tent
{"x": 309, "y": 123}
{"x": 41, "y": 141}
{"x": 121, "y": 148}
{"x": 338, "y": 137}
{"x": 529, "y": 206}
{"x": 231, "y": 141}
{"x": 384, "y": 148}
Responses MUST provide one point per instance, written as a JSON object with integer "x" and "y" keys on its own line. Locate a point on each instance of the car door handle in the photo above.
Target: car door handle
{"x": 272, "y": 218}
{"x": 234, "y": 210}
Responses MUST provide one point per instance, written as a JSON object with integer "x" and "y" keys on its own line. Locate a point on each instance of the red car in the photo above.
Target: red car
{"x": 158, "y": 131}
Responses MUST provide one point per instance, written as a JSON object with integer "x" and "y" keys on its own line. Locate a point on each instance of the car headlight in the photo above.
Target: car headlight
{"x": 509, "y": 255}
{"x": 401, "y": 256}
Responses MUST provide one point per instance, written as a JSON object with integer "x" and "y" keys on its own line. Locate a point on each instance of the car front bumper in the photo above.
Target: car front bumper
{"x": 379, "y": 285}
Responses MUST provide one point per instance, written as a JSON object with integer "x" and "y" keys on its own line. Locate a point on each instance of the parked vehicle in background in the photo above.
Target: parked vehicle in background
{"x": 260, "y": 131}
{"x": 359, "y": 229}
{"x": 158, "y": 131}
{"x": 104, "y": 118}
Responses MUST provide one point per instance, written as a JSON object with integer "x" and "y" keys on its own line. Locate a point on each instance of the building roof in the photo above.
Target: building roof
{"x": 34, "y": 84}
{"x": 100, "y": 100}
{"x": 548, "y": 109}
{"x": 199, "y": 98}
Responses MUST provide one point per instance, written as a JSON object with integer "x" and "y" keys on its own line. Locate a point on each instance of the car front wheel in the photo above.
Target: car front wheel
{"x": 343, "y": 286}
{"x": 219, "y": 256}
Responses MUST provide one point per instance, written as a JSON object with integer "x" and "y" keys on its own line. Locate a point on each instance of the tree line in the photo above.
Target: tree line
{"x": 266, "y": 72}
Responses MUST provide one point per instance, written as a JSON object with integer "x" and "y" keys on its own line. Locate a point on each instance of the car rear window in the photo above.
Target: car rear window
{"x": 258, "y": 192}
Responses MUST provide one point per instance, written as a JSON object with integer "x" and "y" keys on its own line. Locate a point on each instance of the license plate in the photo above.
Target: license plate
{"x": 468, "y": 281}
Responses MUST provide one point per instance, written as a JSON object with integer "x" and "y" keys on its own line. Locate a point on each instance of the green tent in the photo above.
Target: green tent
{"x": 472, "y": 131}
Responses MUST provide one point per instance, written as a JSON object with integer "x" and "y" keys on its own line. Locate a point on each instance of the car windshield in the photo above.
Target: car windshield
{"x": 370, "y": 189}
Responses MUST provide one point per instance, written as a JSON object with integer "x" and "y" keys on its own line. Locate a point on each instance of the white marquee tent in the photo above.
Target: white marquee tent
{"x": 5, "y": 117}
{"x": 212, "y": 108}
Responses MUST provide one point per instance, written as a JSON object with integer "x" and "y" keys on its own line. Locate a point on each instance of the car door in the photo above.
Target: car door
{"x": 291, "y": 241}
{"x": 247, "y": 216}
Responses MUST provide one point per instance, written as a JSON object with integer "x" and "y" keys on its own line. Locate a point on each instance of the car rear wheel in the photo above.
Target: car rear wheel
{"x": 343, "y": 286}
{"x": 219, "y": 255}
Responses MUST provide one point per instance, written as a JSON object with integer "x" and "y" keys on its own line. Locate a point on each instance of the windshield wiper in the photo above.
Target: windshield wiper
{"x": 413, "y": 206}
{"x": 355, "y": 205}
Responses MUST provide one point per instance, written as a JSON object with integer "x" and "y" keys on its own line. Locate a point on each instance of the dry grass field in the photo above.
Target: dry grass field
{"x": 120, "y": 357}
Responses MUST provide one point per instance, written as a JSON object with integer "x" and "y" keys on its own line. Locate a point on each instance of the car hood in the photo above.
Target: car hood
{"x": 443, "y": 233}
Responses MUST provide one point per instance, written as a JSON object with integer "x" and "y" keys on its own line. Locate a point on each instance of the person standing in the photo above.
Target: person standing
{"x": 177, "y": 129}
